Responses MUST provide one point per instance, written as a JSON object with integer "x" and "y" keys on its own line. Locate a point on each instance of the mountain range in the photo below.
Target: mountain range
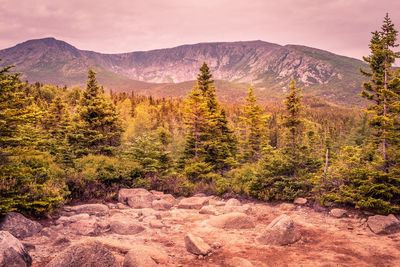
{"x": 171, "y": 71}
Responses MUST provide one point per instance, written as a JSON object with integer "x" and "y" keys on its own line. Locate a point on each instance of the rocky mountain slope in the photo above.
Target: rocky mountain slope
{"x": 146, "y": 229}
{"x": 268, "y": 66}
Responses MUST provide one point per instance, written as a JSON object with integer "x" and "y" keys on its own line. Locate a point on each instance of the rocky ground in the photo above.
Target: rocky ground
{"x": 155, "y": 229}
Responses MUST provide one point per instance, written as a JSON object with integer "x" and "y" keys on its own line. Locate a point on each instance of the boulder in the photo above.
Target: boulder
{"x": 141, "y": 200}
{"x": 233, "y": 202}
{"x": 233, "y": 220}
{"x": 74, "y": 218}
{"x": 145, "y": 256}
{"x": 300, "y": 201}
{"x": 156, "y": 224}
{"x": 243, "y": 209}
{"x": 86, "y": 254}
{"x": 169, "y": 198}
{"x": 13, "y": 252}
{"x": 238, "y": 262}
{"x": 161, "y": 204}
{"x": 338, "y": 213}
{"x": 281, "y": 231}
{"x": 196, "y": 245}
{"x": 208, "y": 210}
{"x": 193, "y": 202}
{"x": 384, "y": 225}
{"x": 92, "y": 209}
{"x": 125, "y": 227}
{"x": 19, "y": 226}
{"x": 136, "y": 198}
{"x": 157, "y": 194}
{"x": 85, "y": 227}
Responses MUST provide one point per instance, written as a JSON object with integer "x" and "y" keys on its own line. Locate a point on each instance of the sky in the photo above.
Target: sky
{"x": 340, "y": 26}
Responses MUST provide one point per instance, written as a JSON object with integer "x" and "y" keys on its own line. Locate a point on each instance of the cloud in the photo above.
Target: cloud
{"x": 109, "y": 26}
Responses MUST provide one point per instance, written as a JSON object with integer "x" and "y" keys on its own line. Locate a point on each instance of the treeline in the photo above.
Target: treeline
{"x": 65, "y": 144}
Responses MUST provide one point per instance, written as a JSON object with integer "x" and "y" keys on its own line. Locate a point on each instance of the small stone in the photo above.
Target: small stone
{"x": 300, "y": 201}
{"x": 233, "y": 202}
{"x": 208, "y": 210}
{"x": 156, "y": 224}
{"x": 193, "y": 203}
{"x": 196, "y": 245}
{"x": 122, "y": 206}
{"x": 380, "y": 224}
{"x": 338, "y": 213}
{"x": 238, "y": 262}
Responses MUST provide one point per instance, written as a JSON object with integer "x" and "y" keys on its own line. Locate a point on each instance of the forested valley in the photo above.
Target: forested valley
{"x": 65, "y": 145}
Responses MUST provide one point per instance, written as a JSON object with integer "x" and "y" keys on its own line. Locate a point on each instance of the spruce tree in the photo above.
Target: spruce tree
{"x": 381, "y": 89}
{"x": 57, "y": 124}
{"x": 98, "y": 128}
{"x": 293, "y": 123}
{"x": 209, "y": 138}
{"x": 253, "y": 130}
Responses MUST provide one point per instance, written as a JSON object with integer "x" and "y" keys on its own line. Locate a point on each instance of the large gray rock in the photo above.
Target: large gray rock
{"x": 74, "y": 218}
{"x": 383, "y": 225}
{"x": 136, "y": 197}
{"x": 123, "y": 227}
{"x": 281, "y": 231}
{"x": 12, "y": 252}
{"x": 233, "y": 220}
{"x": 145, "y": 256}
{"x": 196, "y": 245}
{"x": 85, "y": 227}
{"x": 193, "y": 202}
{"x": 161, "y": 204}
{"x": 87, "y": 254}
{"x": 92, "y": 209}
{"x": 19, "y": 226}
{"x": 169, "y": 198}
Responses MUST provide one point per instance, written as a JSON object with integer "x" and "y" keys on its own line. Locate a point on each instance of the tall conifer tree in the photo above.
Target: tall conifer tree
{"x": 98, "y": 128}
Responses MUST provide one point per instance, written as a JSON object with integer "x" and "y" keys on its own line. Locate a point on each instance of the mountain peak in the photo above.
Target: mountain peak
{"x": 266, "y": 65}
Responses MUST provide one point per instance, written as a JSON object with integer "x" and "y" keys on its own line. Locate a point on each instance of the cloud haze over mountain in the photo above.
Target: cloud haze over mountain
{"x": 339, "y": 26}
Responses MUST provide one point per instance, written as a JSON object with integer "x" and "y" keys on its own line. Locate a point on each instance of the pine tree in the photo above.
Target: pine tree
{"x": 253, "y": 130}
{"x": 380, "y": 90}
{"x": 57, "y": 123}
{"x": 209, "y": 137}
{"x": 29, "y": 179}
{"x": 98, "y": 128}
{"x": 293, "y": 123}
{"x": 196, "y": 121}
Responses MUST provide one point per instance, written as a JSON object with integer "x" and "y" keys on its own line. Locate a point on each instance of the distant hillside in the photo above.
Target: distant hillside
{"x": 166, "y": 72}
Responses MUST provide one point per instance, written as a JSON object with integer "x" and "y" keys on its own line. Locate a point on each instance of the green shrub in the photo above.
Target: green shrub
{"x": 242, "y": 179}
{"x": 97, "y": 176}
{"x": 355, "y": 180}
{"x": 31, "y": 183}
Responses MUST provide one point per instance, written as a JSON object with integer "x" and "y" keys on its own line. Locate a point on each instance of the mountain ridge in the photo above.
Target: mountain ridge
{"x": 268, "y": 66}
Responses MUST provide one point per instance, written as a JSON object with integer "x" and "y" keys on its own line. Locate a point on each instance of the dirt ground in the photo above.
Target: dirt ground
{"x": 326, "y": 241}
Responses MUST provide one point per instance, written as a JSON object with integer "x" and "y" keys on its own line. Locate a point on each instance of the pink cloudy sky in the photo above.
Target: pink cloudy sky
{"x": 340, "y": 26}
